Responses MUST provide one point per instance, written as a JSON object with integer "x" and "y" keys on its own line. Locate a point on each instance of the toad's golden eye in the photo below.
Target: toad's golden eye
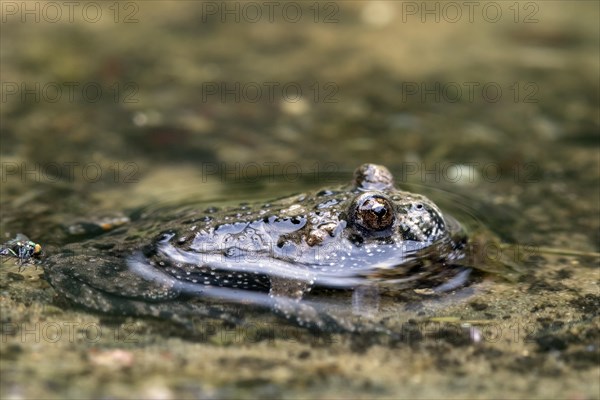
{"x": 373, "y": 212}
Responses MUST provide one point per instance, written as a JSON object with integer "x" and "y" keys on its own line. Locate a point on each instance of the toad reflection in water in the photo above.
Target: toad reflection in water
{"x": 297, "y": 256}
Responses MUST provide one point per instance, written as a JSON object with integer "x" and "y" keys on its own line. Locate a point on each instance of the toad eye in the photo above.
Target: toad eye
{"x": 373, "y": 212}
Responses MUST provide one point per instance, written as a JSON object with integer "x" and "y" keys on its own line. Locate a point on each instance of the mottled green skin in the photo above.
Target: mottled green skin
{"x": 183, "y": 261}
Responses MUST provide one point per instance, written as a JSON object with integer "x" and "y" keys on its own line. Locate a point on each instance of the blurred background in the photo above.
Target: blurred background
{"x": 126, "y": 101}
{"x": 108, "y": 106}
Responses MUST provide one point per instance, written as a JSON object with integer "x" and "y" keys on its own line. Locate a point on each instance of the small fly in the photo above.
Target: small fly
{"x": 22, "y": 248}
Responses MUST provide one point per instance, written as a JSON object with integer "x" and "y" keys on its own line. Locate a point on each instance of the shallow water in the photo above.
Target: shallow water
{"x": 171, "y": 126}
